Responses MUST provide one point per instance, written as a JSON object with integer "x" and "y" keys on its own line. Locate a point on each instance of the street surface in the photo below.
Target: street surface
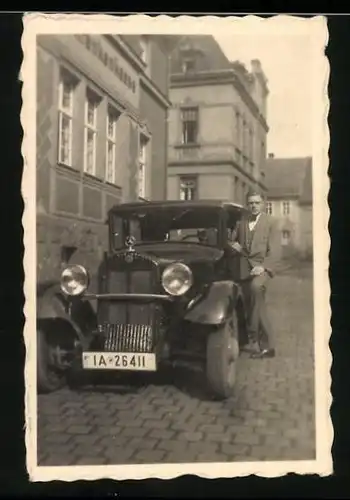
{"x": 271, "y": 416}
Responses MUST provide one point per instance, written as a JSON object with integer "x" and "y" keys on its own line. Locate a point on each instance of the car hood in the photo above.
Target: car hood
{"x": 185, "y": 252}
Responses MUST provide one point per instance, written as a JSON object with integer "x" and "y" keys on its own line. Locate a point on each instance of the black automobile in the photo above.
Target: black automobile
{"x": 167, "y": 296}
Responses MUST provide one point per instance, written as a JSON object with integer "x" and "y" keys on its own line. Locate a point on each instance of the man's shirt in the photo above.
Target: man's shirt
{"x": 253, "y": 222}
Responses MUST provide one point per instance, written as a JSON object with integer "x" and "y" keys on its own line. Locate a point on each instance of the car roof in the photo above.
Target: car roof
{"x": 173, "y": 204}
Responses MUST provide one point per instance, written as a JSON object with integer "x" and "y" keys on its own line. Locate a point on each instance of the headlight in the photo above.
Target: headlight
{"x": 177, "y": 279}
{"x": 74, "y": 280}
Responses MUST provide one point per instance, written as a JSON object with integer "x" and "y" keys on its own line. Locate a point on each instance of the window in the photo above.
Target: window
{"x": 65, "y": 117}
{"x": 269, "y": 207}
{"x": 90, "y": 132}
{"x": 142, "y": 166}
{"x": 188, "y": 65}
{"x": 286, "y": 208}
{"x": 112, "y": 117}
{"x": 188, "y": 188}
{"x": 285, "y": 237}
{"x": 189, "y": 118}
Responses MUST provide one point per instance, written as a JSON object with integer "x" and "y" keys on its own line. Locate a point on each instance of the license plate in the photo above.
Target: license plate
{"x": 119, "y": 361}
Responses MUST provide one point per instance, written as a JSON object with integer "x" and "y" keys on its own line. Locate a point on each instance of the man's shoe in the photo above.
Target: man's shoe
{"x": 251, "y": 348}
{"x": 265, "y": 353}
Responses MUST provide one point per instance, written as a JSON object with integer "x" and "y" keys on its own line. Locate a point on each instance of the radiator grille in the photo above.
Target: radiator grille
{"x": 128, "y": 338}
{"x": 128, "y": 326}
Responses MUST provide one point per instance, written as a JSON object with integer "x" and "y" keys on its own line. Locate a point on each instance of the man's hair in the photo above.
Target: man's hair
{"x": 254, "y": 192}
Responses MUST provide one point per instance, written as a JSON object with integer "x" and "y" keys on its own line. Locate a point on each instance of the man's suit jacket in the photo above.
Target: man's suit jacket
{"x": 264, "y": 247}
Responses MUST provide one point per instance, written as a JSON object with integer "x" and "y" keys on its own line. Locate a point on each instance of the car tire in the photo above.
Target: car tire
{"x": 222, "y": 358}
{"x": 48, "y": 379}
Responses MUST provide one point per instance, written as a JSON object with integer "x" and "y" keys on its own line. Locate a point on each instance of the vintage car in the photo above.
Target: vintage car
{"x": 166, "y": 296}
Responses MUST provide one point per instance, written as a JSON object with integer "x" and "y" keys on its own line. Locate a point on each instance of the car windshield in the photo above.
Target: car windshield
{"x": 197, "y": 225}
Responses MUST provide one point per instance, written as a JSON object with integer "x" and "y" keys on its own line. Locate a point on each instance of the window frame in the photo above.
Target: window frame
{"x": 184, "y": 179}
{"x": 66, "y": 78}
{"x": 111, "y": 140}
{"x": 183, "y": 112}
{"x": 269, "y": 208}
{"x": 285, "y": 208}
{"x": 186, "y": 62}
{"x": 93, "y": 128}
{"x": 142, "y": 162}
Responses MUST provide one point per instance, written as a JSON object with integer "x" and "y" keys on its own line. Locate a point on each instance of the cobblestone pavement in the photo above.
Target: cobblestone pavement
{"x": 271, "y": 416}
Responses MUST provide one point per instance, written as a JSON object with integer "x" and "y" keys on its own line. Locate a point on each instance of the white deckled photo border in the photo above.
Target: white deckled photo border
{"x": 316, "y": 28}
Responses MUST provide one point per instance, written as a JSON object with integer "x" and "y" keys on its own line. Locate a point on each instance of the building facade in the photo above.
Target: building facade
{"x": 217, "y": 123}
{"x": 102, "y": 105}
{"x": 289, "y": 199}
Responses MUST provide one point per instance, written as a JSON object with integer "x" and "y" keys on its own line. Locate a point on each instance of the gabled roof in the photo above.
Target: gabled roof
{"x": 208, "y": 53}
{"x": 289, "y": 177}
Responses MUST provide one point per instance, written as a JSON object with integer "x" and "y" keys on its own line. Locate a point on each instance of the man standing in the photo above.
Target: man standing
{"x": 257, "y": 241}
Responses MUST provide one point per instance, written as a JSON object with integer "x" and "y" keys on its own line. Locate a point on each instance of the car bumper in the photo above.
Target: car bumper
{"x": 129, "y": 297}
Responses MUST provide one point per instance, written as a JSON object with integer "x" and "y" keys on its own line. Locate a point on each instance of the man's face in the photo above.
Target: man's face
{"x": 255, "y": 204}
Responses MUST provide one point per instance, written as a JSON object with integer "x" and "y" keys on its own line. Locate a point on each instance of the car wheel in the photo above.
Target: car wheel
{"x": 49, "y": 378}
{"x": 222, "y": 357}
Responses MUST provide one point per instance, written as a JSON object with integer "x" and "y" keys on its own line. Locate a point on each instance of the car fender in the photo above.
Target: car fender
{"x": 53, "y": 306}
{"x": 216, "y": 305}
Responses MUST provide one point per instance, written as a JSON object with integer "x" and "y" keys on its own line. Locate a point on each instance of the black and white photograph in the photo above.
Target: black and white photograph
{"x": 176, "y": 246}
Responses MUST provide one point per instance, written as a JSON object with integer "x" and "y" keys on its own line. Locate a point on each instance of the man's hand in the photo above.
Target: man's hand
{"x": 236, "y": 246}
{"x": 257, "y": 271}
